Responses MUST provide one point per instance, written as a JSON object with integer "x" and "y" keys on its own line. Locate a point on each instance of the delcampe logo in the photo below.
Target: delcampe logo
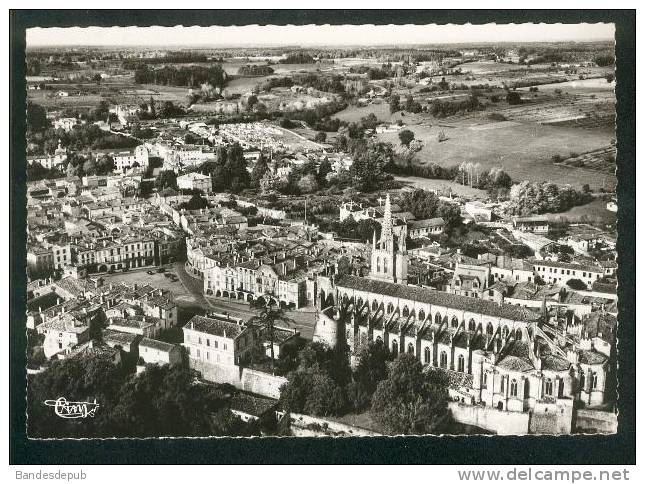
{"x": 65, "y": 409}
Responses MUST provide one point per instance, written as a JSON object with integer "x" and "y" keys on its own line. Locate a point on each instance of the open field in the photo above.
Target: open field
{"x": 442, "y": 187}
{"x": 524, "y": 150}
{"x": 594, "y": 211}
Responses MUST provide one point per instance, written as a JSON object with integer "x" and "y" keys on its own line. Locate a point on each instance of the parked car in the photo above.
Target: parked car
{"x": 151, "y": 273}
{"x": 161, "y": 270}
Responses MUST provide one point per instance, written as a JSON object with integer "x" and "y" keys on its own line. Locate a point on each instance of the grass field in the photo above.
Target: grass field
{"x": 442, "y": 186}
{"x": 524, "y": 150}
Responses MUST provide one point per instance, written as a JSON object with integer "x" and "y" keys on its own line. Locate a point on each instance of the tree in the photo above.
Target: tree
{"x": 370, "y": 370}
{"x": 196, "y": 202}
{"x": 259, "y": 170}
{"x": 308, "y": 184}
{"x": 320, "y": 137}
{"x": 36, "y": 117}
{"x": 513, "y": 97}
{"x": 166, "y": 179}
{"x": 406, "y": 402}
{"x": 394, "y": 103}
{"x": 406, "y": 136}
{"x": 264, "y": 321}
{"x": 421, "y": 203}
{"x": 577, "y": 284}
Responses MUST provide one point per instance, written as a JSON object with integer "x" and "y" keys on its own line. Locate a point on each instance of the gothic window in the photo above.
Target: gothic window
{"x": 410, "y": 348}
{"x": 471, "y": 325}
{"x": 513, "y": 388}
{"x": 455, "y": 322}
{"x": 437, "y": 318}
{"x": 518, "y": 334}
{"x": 390, "y": 308}
{"x": 422, "y": 315}
{"x": 501, "y": 384}
{"x": 359, "y": 303}
{"x": 395, "y": 347}
{"x": 594, "y": 380}
{"x": 406, "y": 312}
{"x": 582, "y": 381}
{"x": 385, "y": 265}
{"x": 374, "y": 305}
{"x": 527, "y": 388}
{"x": 489, "y": 329}
{"x": 505, "y": 332}
{"x": 548, "y": 387}
{"x": 426, "y": 355}
{"x": 378, "y": 264}
{"x": 485, "y": 380}
{"x": 443, "y": 360}
{"x": 460, "y": 363}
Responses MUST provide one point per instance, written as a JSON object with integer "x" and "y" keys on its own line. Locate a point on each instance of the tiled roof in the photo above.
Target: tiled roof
{"x": 430, "y": 296}
{"x": 156, "y": 344}
{"x": 215, "y": 327}
{"x": 591, "y": 357}
{"x": 430, "y": 222}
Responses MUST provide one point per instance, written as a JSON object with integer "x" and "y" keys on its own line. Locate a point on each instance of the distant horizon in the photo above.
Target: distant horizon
{"x": 313, "y": 36}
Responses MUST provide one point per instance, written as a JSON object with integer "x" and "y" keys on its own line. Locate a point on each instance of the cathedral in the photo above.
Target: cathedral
{"x": 496, "y": 356}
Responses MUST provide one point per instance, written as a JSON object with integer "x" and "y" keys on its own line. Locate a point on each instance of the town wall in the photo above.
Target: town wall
{"x": 245, "y": 379}
{"x": 309, "y": 426}
{"x": 596, "y": 421}
{"x": 498, "y": 421}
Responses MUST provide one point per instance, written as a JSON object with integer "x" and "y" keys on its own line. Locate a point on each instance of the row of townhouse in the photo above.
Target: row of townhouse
{"x": 282, "y": 281}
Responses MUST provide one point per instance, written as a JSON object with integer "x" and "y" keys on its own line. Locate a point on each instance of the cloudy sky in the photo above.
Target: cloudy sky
{"x": 317, "y": 34}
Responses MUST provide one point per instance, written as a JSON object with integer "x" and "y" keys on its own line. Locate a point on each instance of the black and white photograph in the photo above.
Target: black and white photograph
{"x": 324, "y": 230}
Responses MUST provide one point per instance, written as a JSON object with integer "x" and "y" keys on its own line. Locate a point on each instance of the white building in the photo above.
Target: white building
{"x": 195, "y": 181}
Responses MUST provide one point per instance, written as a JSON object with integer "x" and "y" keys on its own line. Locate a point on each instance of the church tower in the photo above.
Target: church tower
{"x": 389, "y": 256}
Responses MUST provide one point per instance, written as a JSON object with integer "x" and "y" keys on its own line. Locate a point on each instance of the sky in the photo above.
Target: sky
{"x": 312, "y": 35}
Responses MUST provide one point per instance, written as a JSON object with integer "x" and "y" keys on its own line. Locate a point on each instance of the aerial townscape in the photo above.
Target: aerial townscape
{"x": 322, "y": 241}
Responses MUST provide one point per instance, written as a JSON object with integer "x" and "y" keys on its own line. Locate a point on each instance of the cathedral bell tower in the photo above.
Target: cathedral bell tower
{"x": 389, "y": 256}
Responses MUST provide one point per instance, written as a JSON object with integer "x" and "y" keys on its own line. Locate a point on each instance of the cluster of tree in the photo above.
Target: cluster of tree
{"x": 254, "y": 70}
{"x": 141, "y": 133}
{"x": 496, "y": 181}
{"x": 307, "y": 178}
{"x": 187, "y": 76}
{"x": 371, "y": 162}
{"x": 84, "y": 166}
{"x": 440, "y": 109}
{"x": 196, "y": 202}
{"x": 397, "y": 392}
{"x": 160, "y": 402}
{"x": 297, "y": 58}
{"x": 166, "y": 179}
{"x": 180, "y": 57}
{"x": 321, "y": 111}
{"x": 351, "y": 229}
{"x": 513, "y": 98}
{"x": 325, "y": 83}
{"x": 33, "y": 67}
{"x": 36, "y": 117}
{"x": 528, "y": 198}
{"x": 229, "y": 172}
{"x": 604, "y": 60}
{"x": 409, "y": 401}
{"x": 424, "y": 204}
{"x": 272, "y": 82}
{"x": 374, "y": 73}
{"x": 36, "y": 172}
